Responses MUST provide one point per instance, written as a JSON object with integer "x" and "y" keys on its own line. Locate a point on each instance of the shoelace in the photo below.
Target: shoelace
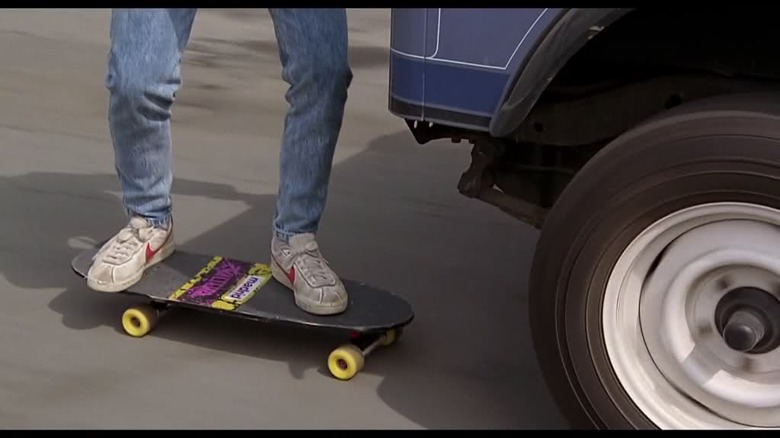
{"x": 126, "y": 244}
{"x": 313, "y": 266}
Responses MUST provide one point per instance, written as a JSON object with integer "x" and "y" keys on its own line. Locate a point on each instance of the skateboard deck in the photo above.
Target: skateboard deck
{"x": 247, "y": 290}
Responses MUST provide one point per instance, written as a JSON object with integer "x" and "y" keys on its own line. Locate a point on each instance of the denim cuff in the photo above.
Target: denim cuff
{"x": 284, "y": 236}
{"x": 157, "y": 222}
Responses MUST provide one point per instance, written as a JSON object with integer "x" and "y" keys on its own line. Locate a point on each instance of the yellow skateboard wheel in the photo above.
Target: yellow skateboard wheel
{"x": 139, "y": 321}
{"x": 390, "y": 337}
{"x": 345, "y": 362}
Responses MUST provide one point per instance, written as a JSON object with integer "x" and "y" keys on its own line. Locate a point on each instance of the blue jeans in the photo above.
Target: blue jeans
{"x": 144, "y": 73}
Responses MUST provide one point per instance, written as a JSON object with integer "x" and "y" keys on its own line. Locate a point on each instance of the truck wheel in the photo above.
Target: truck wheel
{"x": 655, "y": 285}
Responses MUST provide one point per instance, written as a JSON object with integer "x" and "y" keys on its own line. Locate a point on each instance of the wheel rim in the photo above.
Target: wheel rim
{"x": 663, "y": 318}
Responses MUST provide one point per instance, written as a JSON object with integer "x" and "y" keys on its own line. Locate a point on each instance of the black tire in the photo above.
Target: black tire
{"x": 722, "y": 149}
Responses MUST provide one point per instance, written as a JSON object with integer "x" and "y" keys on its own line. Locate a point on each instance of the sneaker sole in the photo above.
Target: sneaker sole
{"x": 161, "y": 255}
{"x": 306, "y": 306}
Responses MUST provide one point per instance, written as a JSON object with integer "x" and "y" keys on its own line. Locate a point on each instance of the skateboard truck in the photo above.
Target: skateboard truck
{"x": 347, "y": 360}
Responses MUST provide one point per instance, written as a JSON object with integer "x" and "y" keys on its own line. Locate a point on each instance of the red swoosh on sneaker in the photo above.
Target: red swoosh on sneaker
{"x": 291, "y": 275}
{"x": 151, "y": 253}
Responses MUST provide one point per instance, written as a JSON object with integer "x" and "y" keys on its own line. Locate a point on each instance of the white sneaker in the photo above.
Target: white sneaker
{"x": 121, "y": 262}
{"x": 301, "y": 267}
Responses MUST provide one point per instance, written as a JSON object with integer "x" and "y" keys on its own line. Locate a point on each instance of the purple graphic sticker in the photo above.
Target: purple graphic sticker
{"x": 216, "y": 282}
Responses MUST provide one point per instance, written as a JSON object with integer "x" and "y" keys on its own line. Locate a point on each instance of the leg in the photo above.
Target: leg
{"x": 144, "y": 73}
{"x": 313, "y": 50}
{"x": 143, "y": 76}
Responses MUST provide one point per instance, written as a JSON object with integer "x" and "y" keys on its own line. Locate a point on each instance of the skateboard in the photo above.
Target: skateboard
{"x": 374, "y": 318}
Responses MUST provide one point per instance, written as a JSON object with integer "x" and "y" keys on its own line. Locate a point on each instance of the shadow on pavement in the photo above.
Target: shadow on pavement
{"x": 392, "y": 220}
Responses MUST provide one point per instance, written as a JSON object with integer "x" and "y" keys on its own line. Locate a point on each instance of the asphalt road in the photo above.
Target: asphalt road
{"x": 394, "y": 219}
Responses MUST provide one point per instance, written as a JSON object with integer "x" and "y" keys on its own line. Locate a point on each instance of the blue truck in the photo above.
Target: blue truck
{"x": 644, "y": 144}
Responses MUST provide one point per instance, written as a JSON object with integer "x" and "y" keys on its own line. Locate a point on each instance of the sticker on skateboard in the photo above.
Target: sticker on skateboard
{"x": 223, "y": 285}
